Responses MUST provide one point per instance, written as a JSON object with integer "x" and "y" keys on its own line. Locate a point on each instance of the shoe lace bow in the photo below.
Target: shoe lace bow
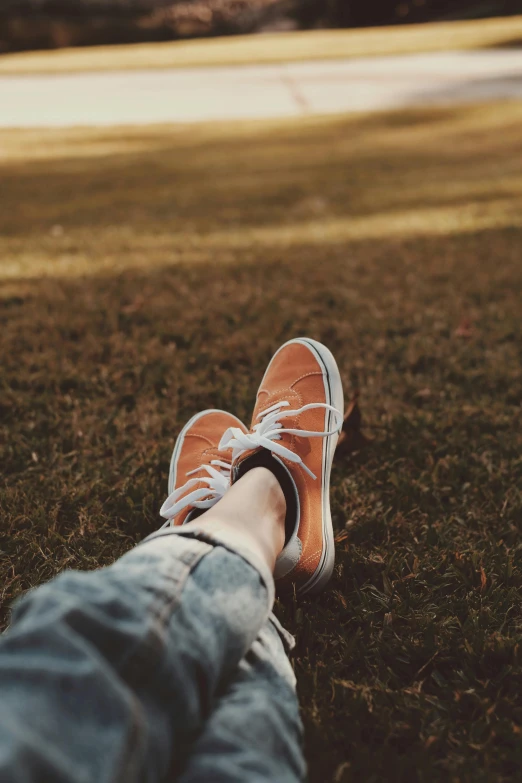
{"x": 269, "y": 430}
{"x": 217, "y": 481}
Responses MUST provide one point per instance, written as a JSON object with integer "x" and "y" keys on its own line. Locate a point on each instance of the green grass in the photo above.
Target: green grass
{"x": 272, "y": 47}
{"x": 149, "y": 273}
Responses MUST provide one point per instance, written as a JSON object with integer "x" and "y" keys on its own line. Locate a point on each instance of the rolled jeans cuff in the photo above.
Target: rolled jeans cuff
{"x": 251, "y": 558}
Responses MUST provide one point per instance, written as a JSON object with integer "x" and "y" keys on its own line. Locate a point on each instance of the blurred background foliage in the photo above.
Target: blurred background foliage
{"x": 43, "y": 24}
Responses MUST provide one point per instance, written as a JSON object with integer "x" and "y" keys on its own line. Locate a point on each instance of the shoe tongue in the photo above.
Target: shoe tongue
{"x": 262, "y": 458}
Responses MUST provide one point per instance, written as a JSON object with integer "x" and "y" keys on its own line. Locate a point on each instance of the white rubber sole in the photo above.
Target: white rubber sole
{"x": 181, "y": 437}
{"x": 334, "y": 395}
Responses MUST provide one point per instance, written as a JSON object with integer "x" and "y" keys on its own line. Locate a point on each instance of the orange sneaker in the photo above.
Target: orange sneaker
{"x": 295, "y": 427}
{"x": 199, "y": 470}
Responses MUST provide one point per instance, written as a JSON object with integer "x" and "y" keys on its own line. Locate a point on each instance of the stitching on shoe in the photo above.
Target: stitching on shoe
{"x": 310, "y": 557}
{"x": 306, "y": 375}
{"x": 201, "y": 437}
{"x": 280, "y": 395}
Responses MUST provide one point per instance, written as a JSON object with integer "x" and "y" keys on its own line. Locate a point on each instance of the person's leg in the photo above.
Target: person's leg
{"x": 110, "y": 675}
{"x": 254, "y": 733}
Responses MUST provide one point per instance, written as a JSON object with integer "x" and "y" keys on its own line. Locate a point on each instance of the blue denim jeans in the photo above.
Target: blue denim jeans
{"x": 166, "y": 665}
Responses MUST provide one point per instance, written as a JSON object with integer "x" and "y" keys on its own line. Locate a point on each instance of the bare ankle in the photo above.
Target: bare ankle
{"x": 252, "y": 512}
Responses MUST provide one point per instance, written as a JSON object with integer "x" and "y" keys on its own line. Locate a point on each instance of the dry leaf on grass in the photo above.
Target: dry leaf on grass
{"x": 464, "y": 329}
{"x": 352, "y": 438}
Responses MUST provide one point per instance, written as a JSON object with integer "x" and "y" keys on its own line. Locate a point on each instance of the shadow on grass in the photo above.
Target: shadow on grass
{"x": 510, "y": 43}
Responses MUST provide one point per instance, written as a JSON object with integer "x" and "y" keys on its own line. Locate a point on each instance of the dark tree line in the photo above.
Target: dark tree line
{"x": 357, "y": 13}
{"x": 30, "y": 24}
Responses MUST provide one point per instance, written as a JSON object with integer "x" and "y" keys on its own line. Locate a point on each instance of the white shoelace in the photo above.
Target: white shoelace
{"x": 217, "y": 481}
{"x": 269, "y": 429}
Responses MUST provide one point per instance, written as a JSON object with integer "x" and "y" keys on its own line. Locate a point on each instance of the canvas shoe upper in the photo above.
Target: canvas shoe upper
{"x": 199, "y": 470}
{"x": 295, "y": 427}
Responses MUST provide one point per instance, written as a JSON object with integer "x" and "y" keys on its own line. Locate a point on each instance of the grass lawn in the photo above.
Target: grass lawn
{"x": 273, "y": 48}
{"x": 149, "y": 273}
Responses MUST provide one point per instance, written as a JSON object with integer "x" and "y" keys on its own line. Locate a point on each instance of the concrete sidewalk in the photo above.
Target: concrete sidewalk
{"x": 245, "y": 92}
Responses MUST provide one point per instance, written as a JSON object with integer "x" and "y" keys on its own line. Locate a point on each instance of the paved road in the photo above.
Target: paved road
{"x": 202, "y": 94}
